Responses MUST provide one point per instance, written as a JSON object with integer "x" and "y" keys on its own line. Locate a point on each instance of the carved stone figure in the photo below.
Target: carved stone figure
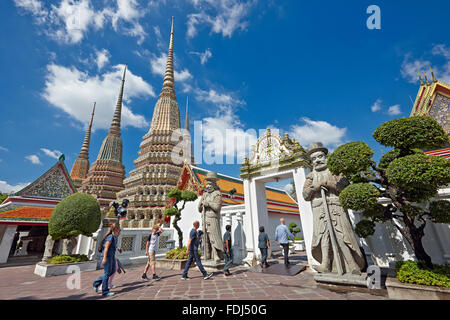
{"x": 320, "y": 184}
{"x": 210, "y": 205}
{"x": 49, "y": 243}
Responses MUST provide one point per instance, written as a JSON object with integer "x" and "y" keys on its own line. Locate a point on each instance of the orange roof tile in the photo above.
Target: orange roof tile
{"x": 27, "y": 213}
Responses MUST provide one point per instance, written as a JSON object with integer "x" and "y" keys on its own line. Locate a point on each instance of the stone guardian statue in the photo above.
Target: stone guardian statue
{"x": 334, "y": 244}
{"x": 210, "y": 205}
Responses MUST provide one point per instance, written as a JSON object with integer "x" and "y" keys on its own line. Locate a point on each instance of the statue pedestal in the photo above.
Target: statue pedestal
{"x": 213, "y": 266}
{"x": 345, "y": 279}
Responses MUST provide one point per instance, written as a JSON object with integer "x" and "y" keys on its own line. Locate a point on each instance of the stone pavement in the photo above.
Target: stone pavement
{"x": 22, "y": 283}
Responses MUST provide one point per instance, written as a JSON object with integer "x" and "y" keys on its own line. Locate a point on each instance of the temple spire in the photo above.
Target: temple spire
{"x": 186, "y": 123}
{"x": 115, "y": 124}
{"x": 420, "y": 78}
{"x": 426, "y": 79}
{"x": 432, "y": 74}
{"x": 87, "y": 138}
{"x": 168, "y": 76}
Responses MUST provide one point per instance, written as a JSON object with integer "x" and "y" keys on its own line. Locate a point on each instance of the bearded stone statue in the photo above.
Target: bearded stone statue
{"x": 348, "y": 252}
{"x": 210, "y": 205}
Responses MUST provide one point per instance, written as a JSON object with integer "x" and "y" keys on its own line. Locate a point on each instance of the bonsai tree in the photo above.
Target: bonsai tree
{"x": 76, "y": 214}
{"x": 293, "y": 228}
{"x": 405, "y": 175}
{"x": 179, "y": 197}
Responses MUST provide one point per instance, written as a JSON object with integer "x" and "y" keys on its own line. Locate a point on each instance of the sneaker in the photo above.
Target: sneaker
{"x": 112, "y": 286}
{"x": 156, "y": 278}
{"x": 207, "y": 276}
{"x": 109, "y": 294}
{"x": 185, "y": 278}
{"x": 95, "y": 289}
{"x": 144, "y": 277}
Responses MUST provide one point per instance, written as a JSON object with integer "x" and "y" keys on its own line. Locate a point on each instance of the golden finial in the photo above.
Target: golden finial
{"x": 420, "y": 78}
{"x": 426, "y": 79}
{"x": 432, "y": 74}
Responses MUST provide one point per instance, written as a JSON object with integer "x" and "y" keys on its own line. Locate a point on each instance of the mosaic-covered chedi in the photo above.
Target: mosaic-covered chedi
{"x": 156, "y": 172}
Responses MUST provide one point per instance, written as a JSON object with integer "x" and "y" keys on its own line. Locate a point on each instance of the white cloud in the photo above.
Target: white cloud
{"x": 224, "y": 16}
{"x": 3, "y": 149}
{"x": 376, "y": 106}
{"x": 7, "y": 188}
{"x": 288, "y": 188}
{"x": 315, "y": 131}
{"x": 216, "y": 97}
{"x": 34, "y": 159}
{"x": 158, "y": 66}
{"x": 442, "y": 72}
{"x": 204, "y": 56}
{"x": 102, "y": 58}
{"x": 35, "y": 7}
{"x": 74, "y": 92}
{"x": 52, "y": 153}
{"x": 69, "y": 21}
{"x": 394, "y": 110}
{"x": 224, "y": 135}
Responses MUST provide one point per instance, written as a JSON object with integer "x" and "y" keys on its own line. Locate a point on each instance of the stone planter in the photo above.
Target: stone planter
{"x": 406, "y": 291}
{"x": 170, "y": 264}
{"x": 43, "y": 269}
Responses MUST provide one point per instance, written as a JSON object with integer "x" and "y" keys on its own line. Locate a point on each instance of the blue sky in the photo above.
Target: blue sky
{"x": 312, "y": 69}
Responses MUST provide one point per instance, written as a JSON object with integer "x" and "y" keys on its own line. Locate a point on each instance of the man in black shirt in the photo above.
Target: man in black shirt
{"x": 227, "y": 250}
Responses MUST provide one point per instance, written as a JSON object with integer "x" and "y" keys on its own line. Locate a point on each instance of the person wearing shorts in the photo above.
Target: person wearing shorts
{"x": 150, "y": 250}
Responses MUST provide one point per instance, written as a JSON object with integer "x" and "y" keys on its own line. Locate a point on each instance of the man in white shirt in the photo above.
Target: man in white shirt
{"x": 150, "y": 250}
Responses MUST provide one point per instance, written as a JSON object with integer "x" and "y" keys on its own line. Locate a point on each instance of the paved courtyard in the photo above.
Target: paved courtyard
{"x": 21, "y": 283}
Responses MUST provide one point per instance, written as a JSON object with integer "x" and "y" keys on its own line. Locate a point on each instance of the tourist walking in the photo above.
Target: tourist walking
{"x": 150, "y": 250}
{"x": 192, "y": 252}
{"x": 264, "y": 246}
{"x": 227, "y": 250}
{"x": 282, "y": 234}
{"x": 108, "y": 247}
{"x": 118, "y": 267}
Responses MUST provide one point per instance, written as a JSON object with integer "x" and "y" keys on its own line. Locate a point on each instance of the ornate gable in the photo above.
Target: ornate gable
{"x": 55, "y": 183}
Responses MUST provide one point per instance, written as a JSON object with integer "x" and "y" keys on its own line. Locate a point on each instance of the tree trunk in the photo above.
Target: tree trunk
{"x": 414, "y": 237}
{"x": 180, "y": 234}
{"x": 68, "y": 245}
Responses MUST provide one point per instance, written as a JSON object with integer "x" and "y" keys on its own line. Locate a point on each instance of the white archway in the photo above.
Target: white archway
{"x": 272, "y": 158}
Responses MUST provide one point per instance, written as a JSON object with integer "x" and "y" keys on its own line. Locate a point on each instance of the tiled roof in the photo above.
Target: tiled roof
{"x": 27, "y": 214}
{"x": 445, "y": 153}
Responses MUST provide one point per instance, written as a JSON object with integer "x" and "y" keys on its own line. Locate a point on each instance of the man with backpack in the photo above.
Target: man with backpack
{"x": 150, "y": 250}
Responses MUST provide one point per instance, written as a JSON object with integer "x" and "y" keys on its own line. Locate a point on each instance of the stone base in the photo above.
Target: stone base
{"x": 213, "y": 266}
{"x": 47, "y": 270}
{"x": 170, "y": 264}
{"x": 408, "y": 291}
{"x": 345, "y": 279}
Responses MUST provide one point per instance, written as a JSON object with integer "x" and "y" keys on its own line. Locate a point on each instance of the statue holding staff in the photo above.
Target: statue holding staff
{"x": 210, "y": 205}
{"x": 334, "y": 244}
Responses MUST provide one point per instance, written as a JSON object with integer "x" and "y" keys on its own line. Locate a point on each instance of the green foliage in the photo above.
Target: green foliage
{"x": 365, "y": 228}
{"x": 419, "y": 174}
{"x": 359, "y": 196}
{"x": 298, "y": 238}
{"x": 68, "y": 259}
{"x": 180, "y": 195}
{"x": 3, "y": 197}
{"x": 377, "y": 213}
{"x": 76, "y": 214}
{"x": 395, "y": 153}
{"x": 413, "y": 132}
{"x": 440, "y": 211}
{"x": 415, "y": 273}
{"x": 293, "y": 228}
{"x": 172, "y": 212}
{"x": 350, "y": 159}
{"x": 179, "y": 253}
